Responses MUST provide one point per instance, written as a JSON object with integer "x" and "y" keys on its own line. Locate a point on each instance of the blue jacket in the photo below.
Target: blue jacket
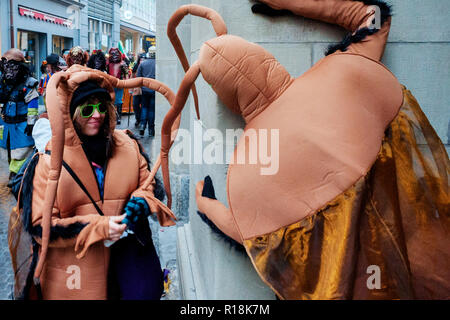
{"x": 17, "y": 113}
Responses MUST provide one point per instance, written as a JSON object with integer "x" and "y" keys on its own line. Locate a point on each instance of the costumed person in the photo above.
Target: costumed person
{"x": 361, "y": 182}
{"x": 76, "y": 215}
{"x": 53, "y": 64}
{"x": 43, "y": 78}
{"x": 117, "y": 67}
{"x": 147, "y": 118}
{"x": 77, "y": 55}
{"x": 97, "y": 60}
{"x": 137, "y": 92}
{"x": 19, "y": 99}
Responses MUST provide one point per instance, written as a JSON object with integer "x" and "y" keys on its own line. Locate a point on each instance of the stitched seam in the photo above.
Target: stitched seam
{"x": 243, "y": 74}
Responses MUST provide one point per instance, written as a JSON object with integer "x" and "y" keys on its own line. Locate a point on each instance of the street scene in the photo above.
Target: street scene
{"x": 208, "y": 150}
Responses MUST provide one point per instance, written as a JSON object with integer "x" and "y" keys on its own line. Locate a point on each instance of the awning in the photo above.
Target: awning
{"x": 38, "y": 15}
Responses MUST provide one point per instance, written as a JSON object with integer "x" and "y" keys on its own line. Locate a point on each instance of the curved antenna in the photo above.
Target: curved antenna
{"x": 169, "y": 121}
{"x": 170, "y": 96}
{"x": 56, "y": 117}
{"x": 217, "y": 22}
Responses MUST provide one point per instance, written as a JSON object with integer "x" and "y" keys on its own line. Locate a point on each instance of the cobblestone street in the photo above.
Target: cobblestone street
{"x": 7, "y": 202}
{"x": 164, "y": 238}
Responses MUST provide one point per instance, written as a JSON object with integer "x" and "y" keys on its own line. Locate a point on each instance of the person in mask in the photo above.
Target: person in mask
{"x": 147, "y": 114}
{"x": 19, "y": 112}
{"x": 117, "y": 67}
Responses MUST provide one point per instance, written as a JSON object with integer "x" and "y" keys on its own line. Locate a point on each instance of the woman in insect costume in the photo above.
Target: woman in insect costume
{"x": 362, "y": 179}
{"x": 67, "y": 214}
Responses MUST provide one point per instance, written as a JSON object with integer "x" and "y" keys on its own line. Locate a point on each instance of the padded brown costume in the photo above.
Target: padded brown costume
{"x": 354, "y": 187}
{"x": 58, "y": 201}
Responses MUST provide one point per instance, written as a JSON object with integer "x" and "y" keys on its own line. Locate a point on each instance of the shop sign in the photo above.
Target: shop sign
{"x": 23, "y": 11}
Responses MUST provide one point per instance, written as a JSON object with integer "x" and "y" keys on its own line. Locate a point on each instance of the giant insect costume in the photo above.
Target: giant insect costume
{"x": 61, "y": 218}
{"x": 353, "y": 189}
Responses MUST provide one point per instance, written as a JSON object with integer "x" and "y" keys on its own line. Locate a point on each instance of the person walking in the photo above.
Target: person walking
{"x": 117, "y": 67}
{"x": 147, "y": 69}
{"x": 137, "y": 93}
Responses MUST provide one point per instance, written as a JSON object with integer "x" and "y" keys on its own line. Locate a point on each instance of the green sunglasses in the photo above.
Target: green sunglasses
{"x": 87, "y": 110}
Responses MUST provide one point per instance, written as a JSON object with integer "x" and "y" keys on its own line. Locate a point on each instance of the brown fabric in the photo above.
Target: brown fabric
{"x": 57, "y": 197}
{"x": 72, "y": 205}
{"x": 396, "y": 217}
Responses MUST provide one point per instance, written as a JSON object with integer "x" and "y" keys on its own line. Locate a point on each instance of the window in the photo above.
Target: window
{"x": 93, "y": 34}
{"x": 106, "y": 36}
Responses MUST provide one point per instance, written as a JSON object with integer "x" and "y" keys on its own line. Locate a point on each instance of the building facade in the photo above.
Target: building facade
{"x": 103, "y": 24}
{"x": 39, "y": 28}
{"x": 137, "y": 25}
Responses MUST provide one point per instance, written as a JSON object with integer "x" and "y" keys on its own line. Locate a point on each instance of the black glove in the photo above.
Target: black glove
{"x": 137, "y": 211}
{"x": 208, "y": 189}
{"x": 264, "y": 9}
{"x": 208, "y": 192}
{"x": 29, "y": 129}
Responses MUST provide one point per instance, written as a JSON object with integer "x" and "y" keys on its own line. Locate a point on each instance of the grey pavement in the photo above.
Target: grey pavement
{"x": 7, "y": 202}
{"x": 164, "y": 238}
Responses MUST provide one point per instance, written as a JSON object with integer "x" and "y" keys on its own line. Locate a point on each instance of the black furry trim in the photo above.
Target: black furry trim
{"x": 208, "y": 192}
{"x": 26, "y": 195}
{"x": 264, "y": 9}
{"x": 364, "y": 32}
{"x": 56, "y": 232}
{"x": 25, "y": 294}
{"x": 159, "y": 191}
{"x": 220, "y": 235}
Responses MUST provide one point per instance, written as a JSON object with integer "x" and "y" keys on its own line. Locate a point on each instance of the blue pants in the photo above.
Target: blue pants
{"x": 148, "y": 110}
{"x": 137, "y": 107}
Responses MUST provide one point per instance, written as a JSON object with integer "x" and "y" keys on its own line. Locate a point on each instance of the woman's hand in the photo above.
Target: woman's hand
{"x": 116, "y": 228}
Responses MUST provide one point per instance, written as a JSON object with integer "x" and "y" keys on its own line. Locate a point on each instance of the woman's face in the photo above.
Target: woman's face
{"x": 91, "y": 126}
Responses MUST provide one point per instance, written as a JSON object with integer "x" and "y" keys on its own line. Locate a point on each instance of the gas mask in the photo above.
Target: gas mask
{"x": 13, "y": 72}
